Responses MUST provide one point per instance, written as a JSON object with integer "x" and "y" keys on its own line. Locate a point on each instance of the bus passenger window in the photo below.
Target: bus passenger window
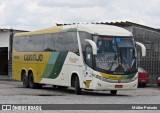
{"x": 72, "y": 43}
{"x": 60, "y": 42}
{"x": 39, "y": 42}
{"x": 30, "y": 43}
{"x": 49, "y": 42}
{"x": 16, "y": 43}
{"x": 23, "y": 43}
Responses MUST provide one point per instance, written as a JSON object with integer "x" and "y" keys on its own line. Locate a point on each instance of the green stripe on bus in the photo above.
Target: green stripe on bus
{"x": 50, "y": 64}
{"x": 54, "y": 65}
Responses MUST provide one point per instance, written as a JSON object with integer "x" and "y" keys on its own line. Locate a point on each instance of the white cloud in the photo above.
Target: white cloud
{"x": 37, "y": 14}
{"x": 2, "y": 8}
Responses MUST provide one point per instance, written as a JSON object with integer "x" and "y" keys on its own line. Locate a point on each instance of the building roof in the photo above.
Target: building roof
{"x": 120, "y": 24}
{"x": 109, "y": 30}
{"x": 127, "y": 23}
{"x": 6, "y": 30}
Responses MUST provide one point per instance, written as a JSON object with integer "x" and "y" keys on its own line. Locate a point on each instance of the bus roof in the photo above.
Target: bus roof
{"x": 97, "y": 29}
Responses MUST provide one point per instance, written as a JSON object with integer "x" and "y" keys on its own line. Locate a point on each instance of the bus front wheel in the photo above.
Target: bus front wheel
{"x": 78, "y": 90}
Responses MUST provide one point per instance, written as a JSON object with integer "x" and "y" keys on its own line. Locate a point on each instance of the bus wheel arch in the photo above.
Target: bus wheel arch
{"x": 73, "y": 78}
{"x": 75, "y": 82}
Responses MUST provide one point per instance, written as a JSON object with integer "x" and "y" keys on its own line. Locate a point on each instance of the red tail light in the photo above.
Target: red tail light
{"x": 142, "y": 75}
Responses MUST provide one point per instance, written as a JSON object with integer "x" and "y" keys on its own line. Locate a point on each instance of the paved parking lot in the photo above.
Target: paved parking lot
{"x": 12, "y": 92}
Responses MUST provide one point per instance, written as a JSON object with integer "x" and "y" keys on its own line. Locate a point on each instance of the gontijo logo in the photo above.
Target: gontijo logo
{"x": 33, "y": 57}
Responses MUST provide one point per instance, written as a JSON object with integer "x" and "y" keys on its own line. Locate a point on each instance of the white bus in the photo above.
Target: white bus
{"x": 93, "y": 57}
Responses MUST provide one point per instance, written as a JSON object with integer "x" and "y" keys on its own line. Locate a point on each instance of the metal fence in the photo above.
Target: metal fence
{"x": 151, "y": 62}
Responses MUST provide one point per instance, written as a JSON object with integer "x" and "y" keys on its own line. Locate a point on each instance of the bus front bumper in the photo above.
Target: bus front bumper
{"x": 102, "y": 85}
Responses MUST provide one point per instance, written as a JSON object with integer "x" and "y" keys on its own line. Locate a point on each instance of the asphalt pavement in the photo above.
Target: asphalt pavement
{"x": 12, "y": 92}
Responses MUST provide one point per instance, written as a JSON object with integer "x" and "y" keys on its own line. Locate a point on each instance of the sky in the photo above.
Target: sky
{"x": 38, "y": 14}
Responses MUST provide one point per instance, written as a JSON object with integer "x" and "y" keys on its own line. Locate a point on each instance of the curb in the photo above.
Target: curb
{"x": 5, "y": 78}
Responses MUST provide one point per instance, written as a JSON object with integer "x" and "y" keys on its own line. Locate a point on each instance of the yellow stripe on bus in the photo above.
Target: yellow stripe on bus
{"x": 43, "y": 31}
{"x": 112, "y": 77}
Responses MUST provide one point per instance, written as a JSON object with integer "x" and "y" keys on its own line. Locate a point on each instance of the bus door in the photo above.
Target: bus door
{"x": 89, "y": 66}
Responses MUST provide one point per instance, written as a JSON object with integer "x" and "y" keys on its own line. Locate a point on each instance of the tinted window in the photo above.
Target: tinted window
{"x": 72, "y": 43}
{"x": 22, "y": 44}
{"x": 83, "y": 36}
{"x": 60, "y": 42}
{"x": 89, "y": 56}
{"x": 44, "y": 42}
{"x": 39, "y": 42}
{"x": 16, "y": 43}
{"x": 30, "y": 43}
{"x": 49, "y": 42}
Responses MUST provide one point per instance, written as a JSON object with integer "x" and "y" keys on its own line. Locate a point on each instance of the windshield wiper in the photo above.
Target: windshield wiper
{"x": 122, "y": 60}
{"x": 115, "y": 55}
{"x": 115, "y": 58}
{"x": 120, "y": 56}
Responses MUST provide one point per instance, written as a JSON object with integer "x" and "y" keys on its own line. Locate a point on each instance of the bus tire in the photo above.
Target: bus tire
{"x": 78, "y": 90}
{"x": 32, "y": 84}
{"x": 143, "y": 84}
{"x": 25, "y": 80}
{"x": 62, "y": 87}
{"x": 55, "y": 86}
{"x": 59, "y": 87}
{"x": 113, "y": 92}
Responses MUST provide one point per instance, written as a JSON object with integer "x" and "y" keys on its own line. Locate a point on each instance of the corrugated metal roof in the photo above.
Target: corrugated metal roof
{"x": 120, "y": 24}
{"x": 127, "y": 23}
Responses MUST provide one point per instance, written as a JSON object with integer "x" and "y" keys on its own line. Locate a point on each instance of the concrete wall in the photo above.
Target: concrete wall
{"x": 4, "y": 38}
{"x": 4, "y": 42}
{"x": 147, "y": 36}
{"x": 129, "y": 28}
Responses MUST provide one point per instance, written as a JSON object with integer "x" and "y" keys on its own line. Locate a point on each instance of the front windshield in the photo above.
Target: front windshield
{"x": 115, "y": 54}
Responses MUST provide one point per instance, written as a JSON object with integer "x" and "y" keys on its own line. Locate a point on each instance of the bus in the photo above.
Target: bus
{"x": 83, "y": 56}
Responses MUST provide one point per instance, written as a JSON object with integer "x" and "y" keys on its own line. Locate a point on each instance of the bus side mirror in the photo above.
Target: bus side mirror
{"x": 93, "y": 45}
{"x": 143, "y": 48}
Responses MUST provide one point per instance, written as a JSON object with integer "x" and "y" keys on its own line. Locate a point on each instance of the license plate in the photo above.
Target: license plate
{"x": 118, "y": 86}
